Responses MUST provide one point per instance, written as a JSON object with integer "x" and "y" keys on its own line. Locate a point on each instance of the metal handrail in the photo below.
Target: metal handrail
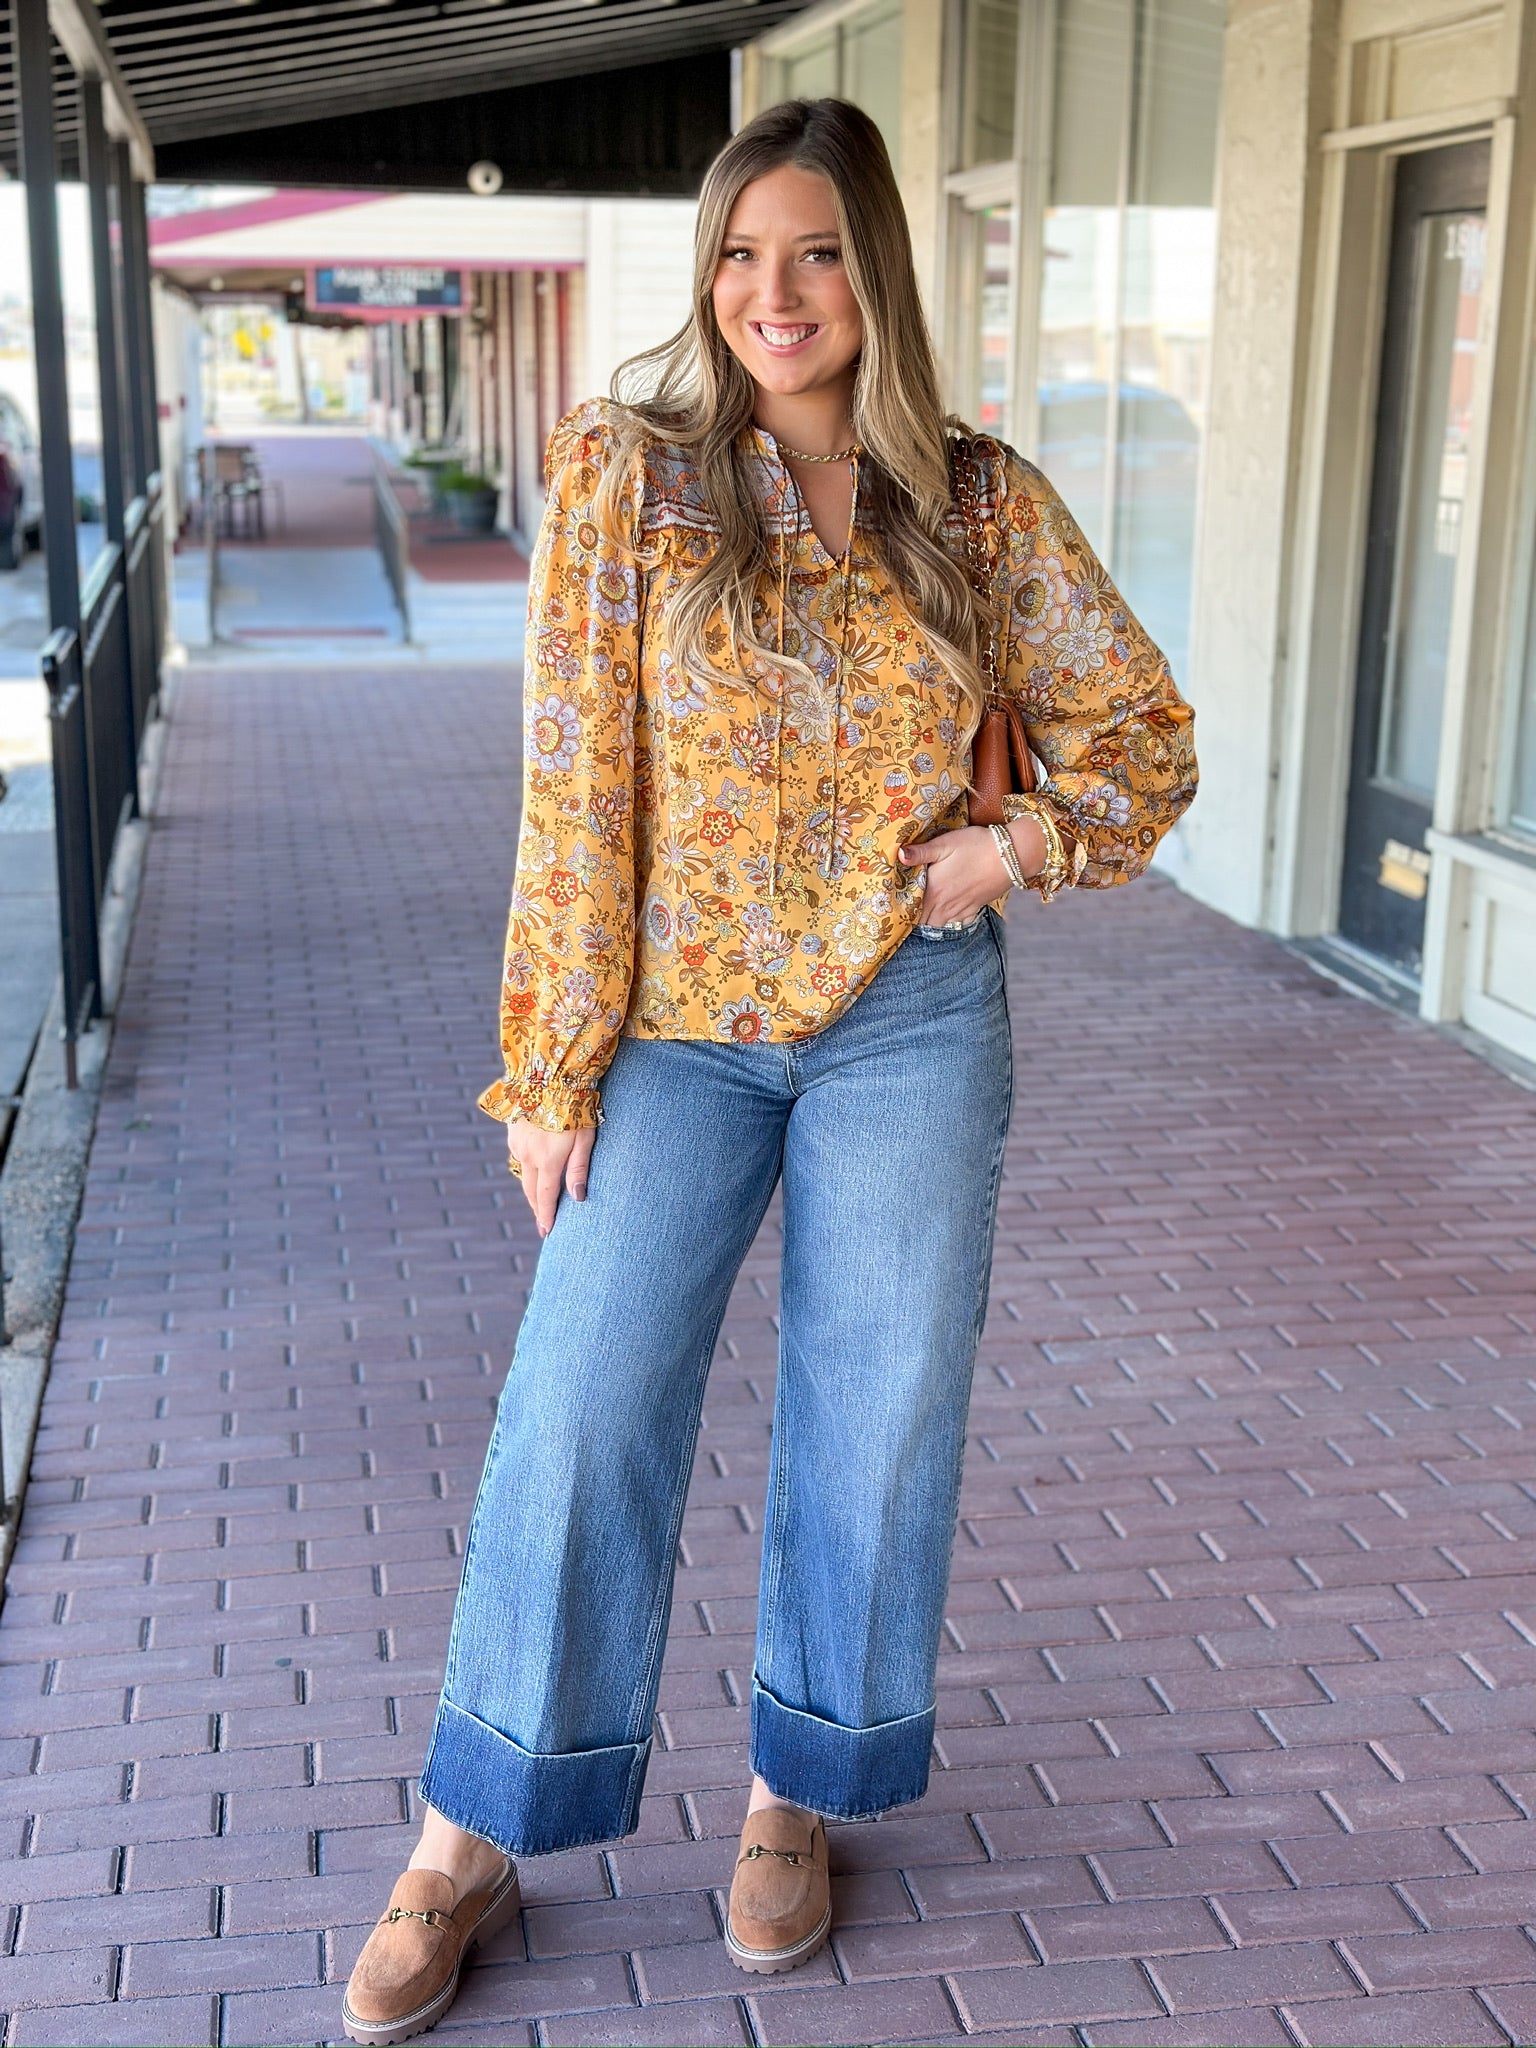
{"x": 143, "y": 545}
{"x": 101, "y": 573}
{"x": 106, "y": 656}
{"x": 392, "y": 531}
{"x": 101, "y": 663}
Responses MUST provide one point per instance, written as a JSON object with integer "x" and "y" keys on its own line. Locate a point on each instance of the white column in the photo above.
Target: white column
{"x": 601, "y": 353}
{"x": 1277, "y": 73}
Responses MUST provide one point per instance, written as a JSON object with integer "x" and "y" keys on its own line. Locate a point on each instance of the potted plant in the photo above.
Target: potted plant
{"x": 436, "y": 467}
{"x": 472, "y": 501}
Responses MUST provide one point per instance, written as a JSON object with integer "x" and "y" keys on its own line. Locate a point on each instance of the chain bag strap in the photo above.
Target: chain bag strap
{"x": 1001, "y": 762}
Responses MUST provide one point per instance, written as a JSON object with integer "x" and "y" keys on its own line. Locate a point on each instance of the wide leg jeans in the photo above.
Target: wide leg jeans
{"x": 887, "y": 1129}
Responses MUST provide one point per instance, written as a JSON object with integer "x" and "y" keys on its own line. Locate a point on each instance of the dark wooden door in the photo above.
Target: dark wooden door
{"x": 1418, "y": 487}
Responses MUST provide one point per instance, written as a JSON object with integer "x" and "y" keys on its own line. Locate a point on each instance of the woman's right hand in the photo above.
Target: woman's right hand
{"x": 545, "y": 1159}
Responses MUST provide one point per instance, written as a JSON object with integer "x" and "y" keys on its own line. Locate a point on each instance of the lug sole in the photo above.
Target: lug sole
{"x": 503, "y": 1904}
{"x": 773, "y": 1962}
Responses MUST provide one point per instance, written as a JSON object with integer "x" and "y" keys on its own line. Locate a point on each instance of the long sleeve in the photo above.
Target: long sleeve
{"x": 570, "y": 931}
{"x": 1100, "y": 707}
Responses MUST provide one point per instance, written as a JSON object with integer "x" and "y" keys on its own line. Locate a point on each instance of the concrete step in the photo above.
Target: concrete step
{"x": 486, "y": 619}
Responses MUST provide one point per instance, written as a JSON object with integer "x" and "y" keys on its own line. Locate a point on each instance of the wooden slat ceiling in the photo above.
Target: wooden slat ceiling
{"x": 219, "y": 67}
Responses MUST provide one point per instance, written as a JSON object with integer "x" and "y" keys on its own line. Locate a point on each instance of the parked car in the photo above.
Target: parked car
{"x": 1157, "y": 437}
{"x": 21, "y": 484}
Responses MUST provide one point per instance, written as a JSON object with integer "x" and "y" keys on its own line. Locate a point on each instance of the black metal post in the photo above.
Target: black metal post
{"x": 72, "y": 822}
{"x": 136, "y": 267}
{"x": 138, "y": 298}
{"x": 111, "y": 688}
{"x": 40, "y": 168}
{"x": 137, "y": 446}
{"x": 146, "y": 539}
{"x": 96, "y": 167}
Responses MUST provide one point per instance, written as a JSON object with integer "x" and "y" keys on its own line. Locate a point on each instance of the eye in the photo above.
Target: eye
{"x": 735, "y": 255}
{"x": 830, "y": 254}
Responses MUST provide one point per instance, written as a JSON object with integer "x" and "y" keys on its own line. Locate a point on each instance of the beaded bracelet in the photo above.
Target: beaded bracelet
{"x": 1008, "y": 854}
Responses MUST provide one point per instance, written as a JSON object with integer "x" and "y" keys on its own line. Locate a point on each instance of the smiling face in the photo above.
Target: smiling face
{"x": 782, "y": 297}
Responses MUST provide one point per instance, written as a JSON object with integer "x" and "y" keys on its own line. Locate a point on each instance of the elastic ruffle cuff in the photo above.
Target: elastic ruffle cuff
{"x": 552, "y": 1105}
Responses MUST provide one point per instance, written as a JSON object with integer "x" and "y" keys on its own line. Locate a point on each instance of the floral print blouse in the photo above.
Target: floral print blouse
{"x": 720, "y": 862}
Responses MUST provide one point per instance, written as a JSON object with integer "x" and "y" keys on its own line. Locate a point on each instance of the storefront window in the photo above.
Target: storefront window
{"x": 810, "y": 72}
{"x": 1517, "y": 805}
{"x": 1095, "y": 40}
{"x": 1449, "y": 273}
{"x": 871, "y": 74}
{"x": 857, "y": 57}
{"x": 1078, "y": 296}
{"x": 991, "y": 60}
{"x": 1522, "y": 807}
{"x": 992, "y": 227}
{"x": 1127, "y": 284}
{"x": 1165, "y": 334}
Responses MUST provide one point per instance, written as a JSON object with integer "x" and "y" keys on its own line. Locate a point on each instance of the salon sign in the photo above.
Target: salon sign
{"x": 386, "y": 289}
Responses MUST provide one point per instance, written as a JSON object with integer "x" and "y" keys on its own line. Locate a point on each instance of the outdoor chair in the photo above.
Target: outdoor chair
{"x": 233, "y": 491}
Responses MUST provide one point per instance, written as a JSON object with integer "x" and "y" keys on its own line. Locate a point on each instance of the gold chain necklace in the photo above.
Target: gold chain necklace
{"x": 848, "y": 454}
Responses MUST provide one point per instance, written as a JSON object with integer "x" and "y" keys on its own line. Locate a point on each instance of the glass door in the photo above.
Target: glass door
{"x": 983, "y": 270}
{"x": 992, "y": 254}
{"x": 1418, "y": 486}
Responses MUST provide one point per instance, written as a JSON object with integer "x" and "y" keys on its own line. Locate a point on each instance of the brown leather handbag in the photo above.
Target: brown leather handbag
{"x": 1001, "y": 762}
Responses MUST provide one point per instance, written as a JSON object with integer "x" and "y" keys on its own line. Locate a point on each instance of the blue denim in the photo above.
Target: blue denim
{"x": 887, "y": 1129}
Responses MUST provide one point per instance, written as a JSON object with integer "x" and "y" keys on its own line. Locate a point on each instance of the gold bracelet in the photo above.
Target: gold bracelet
{"x": 1057, "y": 873}
{"x": 1065, "y": 857}
{"x": 1053, "y": 873}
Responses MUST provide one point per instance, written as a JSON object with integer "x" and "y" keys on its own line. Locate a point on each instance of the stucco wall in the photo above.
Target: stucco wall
{"x": 639, "y": 280}
{"x": 1278, "y": 63}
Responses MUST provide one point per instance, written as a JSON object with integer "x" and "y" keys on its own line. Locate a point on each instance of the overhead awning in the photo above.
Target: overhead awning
{"x": 210, "y": 77}
{"x": 295, "y": 229}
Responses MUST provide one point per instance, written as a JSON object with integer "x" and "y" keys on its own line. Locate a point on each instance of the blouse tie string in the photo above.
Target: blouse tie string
{"x": 846, "y": 565}
{"x": 778, "y": 722}
{"x": 828, "y": 860}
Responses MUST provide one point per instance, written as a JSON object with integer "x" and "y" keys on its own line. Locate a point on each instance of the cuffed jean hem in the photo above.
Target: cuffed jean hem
{"x": 845, "y": 1773}
{"x": 528, "y": 1802}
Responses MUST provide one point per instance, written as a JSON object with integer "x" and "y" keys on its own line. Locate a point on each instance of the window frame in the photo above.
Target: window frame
{"x": 1027, "y": 179}
{"x": 1011, "y": 181}
{"x": 781, "y": 43}
{"x": 1022, "y": 180}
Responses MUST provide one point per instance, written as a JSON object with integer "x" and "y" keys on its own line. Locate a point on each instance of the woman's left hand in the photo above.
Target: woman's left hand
{"x": 965, "y": 869}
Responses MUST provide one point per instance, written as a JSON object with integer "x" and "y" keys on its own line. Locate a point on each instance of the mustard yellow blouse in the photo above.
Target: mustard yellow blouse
{"x": 720, "y": 862}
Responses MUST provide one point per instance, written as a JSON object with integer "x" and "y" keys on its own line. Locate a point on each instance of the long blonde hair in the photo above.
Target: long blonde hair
{"x": 692, "y": 392}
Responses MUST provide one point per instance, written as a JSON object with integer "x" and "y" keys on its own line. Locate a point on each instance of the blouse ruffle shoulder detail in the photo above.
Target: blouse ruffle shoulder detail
{"x": 717, "y": 859}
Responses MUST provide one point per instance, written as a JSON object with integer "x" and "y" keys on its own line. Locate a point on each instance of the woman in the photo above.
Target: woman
{"x": 750, "y": 939}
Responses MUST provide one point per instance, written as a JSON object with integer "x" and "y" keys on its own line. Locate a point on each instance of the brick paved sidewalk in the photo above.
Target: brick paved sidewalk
{"x": 1235, "y": 1728}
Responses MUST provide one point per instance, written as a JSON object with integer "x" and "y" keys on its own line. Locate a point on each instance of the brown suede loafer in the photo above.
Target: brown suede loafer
{"x": 408, "y": 1973}
{"x": 781, "y": 1899}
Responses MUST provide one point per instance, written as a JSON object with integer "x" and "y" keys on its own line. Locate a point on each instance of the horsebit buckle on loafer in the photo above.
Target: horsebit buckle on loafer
{"x": 432, "y": 1917}
{"x": 784, "y": 1855}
